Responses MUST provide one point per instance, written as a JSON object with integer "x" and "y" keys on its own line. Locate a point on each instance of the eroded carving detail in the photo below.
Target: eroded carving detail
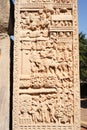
{"x": 50, "y": 65}
{"x": 51, "y": 58}
{"x": 45, "y": 65}
{"x": 36, "y": 24}
{"x": 47, "y": 108}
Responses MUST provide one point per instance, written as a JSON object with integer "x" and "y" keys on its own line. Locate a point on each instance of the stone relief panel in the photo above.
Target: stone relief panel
{"x": 36, "y": 24}
{"x": 51, "y": 58}
{"x": 50, "y": 80}
{"x": 44, "y": 66}
{"x": 43, "y": 108}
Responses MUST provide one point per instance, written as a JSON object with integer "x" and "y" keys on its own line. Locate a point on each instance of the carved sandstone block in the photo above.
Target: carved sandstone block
{"x": 46, "y": 66}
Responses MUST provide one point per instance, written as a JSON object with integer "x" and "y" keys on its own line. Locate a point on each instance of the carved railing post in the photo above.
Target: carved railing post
{"x": 46, "y": 66}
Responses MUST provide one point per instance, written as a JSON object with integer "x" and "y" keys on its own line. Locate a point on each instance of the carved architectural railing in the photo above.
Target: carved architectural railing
{"x": 46, "y": 66}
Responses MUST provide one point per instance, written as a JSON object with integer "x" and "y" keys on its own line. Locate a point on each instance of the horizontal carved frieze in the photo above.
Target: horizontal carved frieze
{"x": 36, "y": 6}
{"x": 66, "y": 2}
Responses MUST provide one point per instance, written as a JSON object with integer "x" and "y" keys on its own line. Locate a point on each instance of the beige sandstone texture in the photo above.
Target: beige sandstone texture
{"x": 4, "y": 66}
{"x": 46, "y": 66}
{"x": 4, "y": 81}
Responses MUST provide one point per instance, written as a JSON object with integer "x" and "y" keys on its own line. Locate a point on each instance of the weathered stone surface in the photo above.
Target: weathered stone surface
{"x": 4, "y": 81}
{"x": 4, "y": 15}
{"x": 46, "y": 66}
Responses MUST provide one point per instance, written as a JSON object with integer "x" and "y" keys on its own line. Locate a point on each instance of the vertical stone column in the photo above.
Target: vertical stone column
{"x": 4, "y": 81}
{"x": 46, "y": 66}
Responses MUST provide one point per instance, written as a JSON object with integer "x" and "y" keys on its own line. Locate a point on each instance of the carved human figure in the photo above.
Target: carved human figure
{"x": 44, "y": 112}
{"x": 34, "y": 112}
{"x": 52, "y": 111}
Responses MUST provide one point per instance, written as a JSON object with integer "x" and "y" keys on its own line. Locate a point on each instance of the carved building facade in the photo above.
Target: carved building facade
{"x": 46, "y": 66}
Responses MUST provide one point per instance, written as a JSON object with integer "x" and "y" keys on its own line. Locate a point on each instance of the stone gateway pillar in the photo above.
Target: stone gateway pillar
{"x": 46, "y": 66}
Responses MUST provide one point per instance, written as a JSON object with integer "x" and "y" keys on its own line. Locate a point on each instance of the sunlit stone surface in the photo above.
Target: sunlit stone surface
{"x": 46, "y": 66}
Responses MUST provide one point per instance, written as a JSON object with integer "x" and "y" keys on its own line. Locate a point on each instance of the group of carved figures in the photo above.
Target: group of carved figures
{"x": 61, "y": 70}
{"x": 47, "y": 108}
{"x": 36, "y": 20}
{"x": 56, "y": 35}
{"x": 63, "y": 23}
{"x": 56, "y": 61}
{"x": 38, "y": 23}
